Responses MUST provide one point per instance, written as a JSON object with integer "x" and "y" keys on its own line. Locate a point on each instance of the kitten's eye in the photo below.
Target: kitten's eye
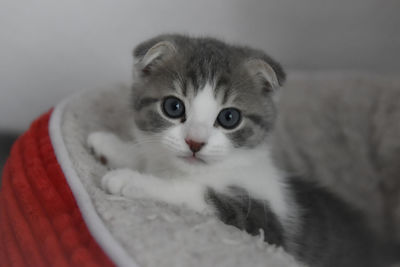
{"x": 173, "y": 107}
{"x": 229, "y": 118}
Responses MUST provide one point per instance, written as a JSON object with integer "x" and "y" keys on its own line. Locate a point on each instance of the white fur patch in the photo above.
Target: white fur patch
{"x": 201, "y": 115}
{"x": 202, "y": 112}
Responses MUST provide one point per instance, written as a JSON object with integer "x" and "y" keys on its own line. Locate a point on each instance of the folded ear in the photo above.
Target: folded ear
{"x": 149, "y": 55}
{"x": 269, "y": 78}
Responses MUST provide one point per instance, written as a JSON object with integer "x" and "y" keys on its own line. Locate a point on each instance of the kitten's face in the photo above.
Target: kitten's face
{"x": 201, "y": 103}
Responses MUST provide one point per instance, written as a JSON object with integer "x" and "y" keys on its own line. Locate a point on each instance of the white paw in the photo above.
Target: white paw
{"x": 100, "y": 144}
{"x": 114, "y": 181}
{"x": 124, "y": 182}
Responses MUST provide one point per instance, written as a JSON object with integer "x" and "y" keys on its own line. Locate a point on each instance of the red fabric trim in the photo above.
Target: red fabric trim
{"x": 40, "y": 222}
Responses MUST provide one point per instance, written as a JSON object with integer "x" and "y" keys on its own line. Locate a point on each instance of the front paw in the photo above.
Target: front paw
{"x": 124, "y": 182}
{"x": 114, "y": 181}
{"x": 100, "y": 144}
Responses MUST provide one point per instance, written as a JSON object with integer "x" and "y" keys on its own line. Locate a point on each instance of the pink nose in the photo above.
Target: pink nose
{"x": 194, "y": 146}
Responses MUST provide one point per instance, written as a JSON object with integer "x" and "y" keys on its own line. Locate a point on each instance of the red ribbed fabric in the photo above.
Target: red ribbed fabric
{"x": 40, "y": 222}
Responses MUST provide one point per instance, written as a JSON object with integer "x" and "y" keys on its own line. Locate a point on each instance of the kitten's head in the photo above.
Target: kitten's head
{"x": 200, "y": 101}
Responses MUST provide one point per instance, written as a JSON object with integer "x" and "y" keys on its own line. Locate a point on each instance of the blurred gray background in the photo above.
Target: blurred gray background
{"x": 49, "y": 49}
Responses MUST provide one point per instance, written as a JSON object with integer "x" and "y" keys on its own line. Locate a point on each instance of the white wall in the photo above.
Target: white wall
{"x": 48, "y": 49}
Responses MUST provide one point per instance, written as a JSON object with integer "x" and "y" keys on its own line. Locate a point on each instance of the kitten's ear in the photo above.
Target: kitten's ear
{"x": 149, "y": 55}
{"x": 269, "y": 76}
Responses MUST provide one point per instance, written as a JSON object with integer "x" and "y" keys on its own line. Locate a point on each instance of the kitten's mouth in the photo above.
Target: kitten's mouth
{"x": 193, "y": 159}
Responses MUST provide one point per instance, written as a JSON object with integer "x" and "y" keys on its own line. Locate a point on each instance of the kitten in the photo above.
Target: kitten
{"x": 203, "y": 113}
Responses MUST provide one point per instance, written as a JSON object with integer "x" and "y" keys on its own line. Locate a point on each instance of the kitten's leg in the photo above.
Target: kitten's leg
{"x": 132, "y": 184}
{"x": 235, "y": 207}
{"x": 112, "y": 151}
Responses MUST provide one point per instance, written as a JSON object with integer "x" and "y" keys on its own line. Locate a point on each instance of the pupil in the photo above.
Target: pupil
{"x": 175, "y": 106}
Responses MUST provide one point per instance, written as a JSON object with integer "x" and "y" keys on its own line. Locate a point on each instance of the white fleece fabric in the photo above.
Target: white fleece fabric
{"x": 151, "y": 233}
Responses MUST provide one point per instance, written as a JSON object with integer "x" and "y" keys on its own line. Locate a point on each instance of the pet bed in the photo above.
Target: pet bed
{"x": 54, "y": 213}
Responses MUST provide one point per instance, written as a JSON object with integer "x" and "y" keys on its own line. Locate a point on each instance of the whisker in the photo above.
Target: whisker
{"x": 248, "y": 205}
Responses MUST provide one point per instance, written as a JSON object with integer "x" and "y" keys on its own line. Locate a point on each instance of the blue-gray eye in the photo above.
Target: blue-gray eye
{"x": 229, "y": 118}
{"x": 173, "y": 107}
